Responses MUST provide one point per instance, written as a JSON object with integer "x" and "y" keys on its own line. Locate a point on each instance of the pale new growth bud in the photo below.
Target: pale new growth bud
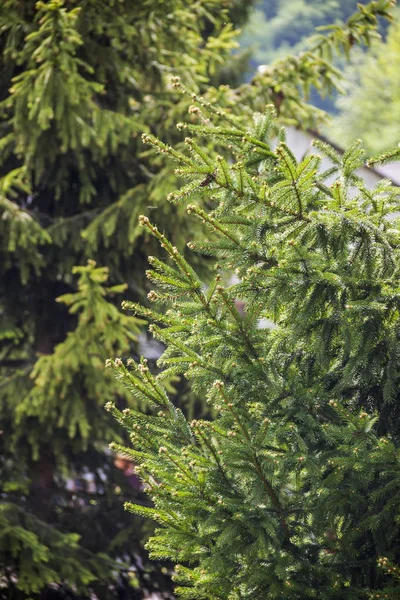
{"x": 108, "y": 363}
{"x": 118, "y": 362}
{"x": 143, "y": 220}
{"x": 146, "y": 139}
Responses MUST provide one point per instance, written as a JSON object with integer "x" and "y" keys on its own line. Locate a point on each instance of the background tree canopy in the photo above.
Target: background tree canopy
{"x": 79, "y": 81}
{"x": 370, "y": 110}
{"x": 277, "y": 27}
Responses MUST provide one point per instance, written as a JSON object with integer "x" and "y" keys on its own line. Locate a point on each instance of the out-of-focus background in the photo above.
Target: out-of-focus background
{"x": 370, "y": 81}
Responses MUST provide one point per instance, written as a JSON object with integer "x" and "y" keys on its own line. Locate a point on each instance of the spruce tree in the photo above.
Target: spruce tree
{"x": 79, "y": 83}
{"x": 291, "y": 488}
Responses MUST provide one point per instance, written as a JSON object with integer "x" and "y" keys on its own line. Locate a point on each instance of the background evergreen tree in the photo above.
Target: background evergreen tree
{"x": 78, "y": 82}
{"x": 291, "y": 489}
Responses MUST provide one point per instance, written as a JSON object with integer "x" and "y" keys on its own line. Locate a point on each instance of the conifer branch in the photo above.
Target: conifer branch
{"x": 267, "y": 486}
{"x": 206, "y": 218}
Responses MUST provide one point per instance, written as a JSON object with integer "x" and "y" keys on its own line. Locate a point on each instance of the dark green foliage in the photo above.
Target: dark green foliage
{"x": 48, "y": 554}
{"x": 79, "y": 83}
{"x": 292, "y": 489}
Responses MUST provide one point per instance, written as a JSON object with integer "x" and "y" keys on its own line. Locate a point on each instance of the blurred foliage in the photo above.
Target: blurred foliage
{"x": 279, "y": 27}
{"x": 370, "y": 110}
{"x": 79, "y": 81}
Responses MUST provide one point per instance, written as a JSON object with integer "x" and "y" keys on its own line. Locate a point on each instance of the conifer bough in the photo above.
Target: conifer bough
{"x": 291, "y": 490}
